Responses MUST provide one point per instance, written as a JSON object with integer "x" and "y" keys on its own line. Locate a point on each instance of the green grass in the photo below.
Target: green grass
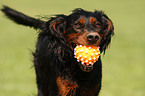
{"x": 123, "y": 63}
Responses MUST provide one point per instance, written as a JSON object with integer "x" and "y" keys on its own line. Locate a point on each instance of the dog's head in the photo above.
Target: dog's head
{"x": 85, "y": 28}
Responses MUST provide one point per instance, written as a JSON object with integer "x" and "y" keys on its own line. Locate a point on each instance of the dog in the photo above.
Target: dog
{"x": 57, "y": 71}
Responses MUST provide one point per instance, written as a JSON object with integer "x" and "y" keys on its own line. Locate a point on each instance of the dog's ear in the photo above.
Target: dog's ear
{"x": 57, "y": 25}
{"x": 108, "y": 32}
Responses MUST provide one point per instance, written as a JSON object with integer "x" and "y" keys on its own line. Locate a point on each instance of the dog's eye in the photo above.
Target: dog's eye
{"x": 78, "y": 25}
{"x": 97, "y": 25}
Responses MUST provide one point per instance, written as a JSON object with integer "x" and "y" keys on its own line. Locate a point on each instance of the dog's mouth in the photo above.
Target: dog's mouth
{"x": 73, "y": 45}
{"x": 86, "y": 56}
{"x": 86, "y": 68}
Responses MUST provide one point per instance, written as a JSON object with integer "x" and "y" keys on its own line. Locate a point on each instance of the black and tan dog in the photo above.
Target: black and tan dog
{"x": 57, "y": 71}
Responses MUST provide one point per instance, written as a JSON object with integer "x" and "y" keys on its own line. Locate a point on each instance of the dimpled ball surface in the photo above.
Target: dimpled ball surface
{"x": 86, "y": 54}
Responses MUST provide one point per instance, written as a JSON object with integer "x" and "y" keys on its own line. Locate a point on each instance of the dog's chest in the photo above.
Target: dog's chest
{"x": 69, "y": 88}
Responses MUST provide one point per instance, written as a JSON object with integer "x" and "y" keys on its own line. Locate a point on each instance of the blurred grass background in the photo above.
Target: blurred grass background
{"x": 123, "y": 63}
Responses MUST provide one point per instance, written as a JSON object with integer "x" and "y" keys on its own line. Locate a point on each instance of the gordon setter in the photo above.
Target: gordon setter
{"x": 57, "y": 71}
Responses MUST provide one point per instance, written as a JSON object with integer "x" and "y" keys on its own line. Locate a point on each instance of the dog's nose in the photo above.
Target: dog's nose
{"x": 92, "y": 37}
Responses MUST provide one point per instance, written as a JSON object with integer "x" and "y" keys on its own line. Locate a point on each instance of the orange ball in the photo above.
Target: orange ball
{"x": 86, "y": 54}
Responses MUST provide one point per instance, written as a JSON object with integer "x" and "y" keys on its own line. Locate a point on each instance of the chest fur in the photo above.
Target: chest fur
{"x": 70, "y": 88}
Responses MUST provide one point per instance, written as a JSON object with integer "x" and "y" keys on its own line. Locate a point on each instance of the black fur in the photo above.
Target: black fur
{"x": 21, "y": 18}
{"x": 54, "y": 59}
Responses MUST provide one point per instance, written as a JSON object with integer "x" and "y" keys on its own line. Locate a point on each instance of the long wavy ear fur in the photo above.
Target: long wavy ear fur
{"x": 21, "y": 18}
{"x": 54, "y": 29}
{"x": 57, "y": 25}
{"x": 108, "y": 32}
